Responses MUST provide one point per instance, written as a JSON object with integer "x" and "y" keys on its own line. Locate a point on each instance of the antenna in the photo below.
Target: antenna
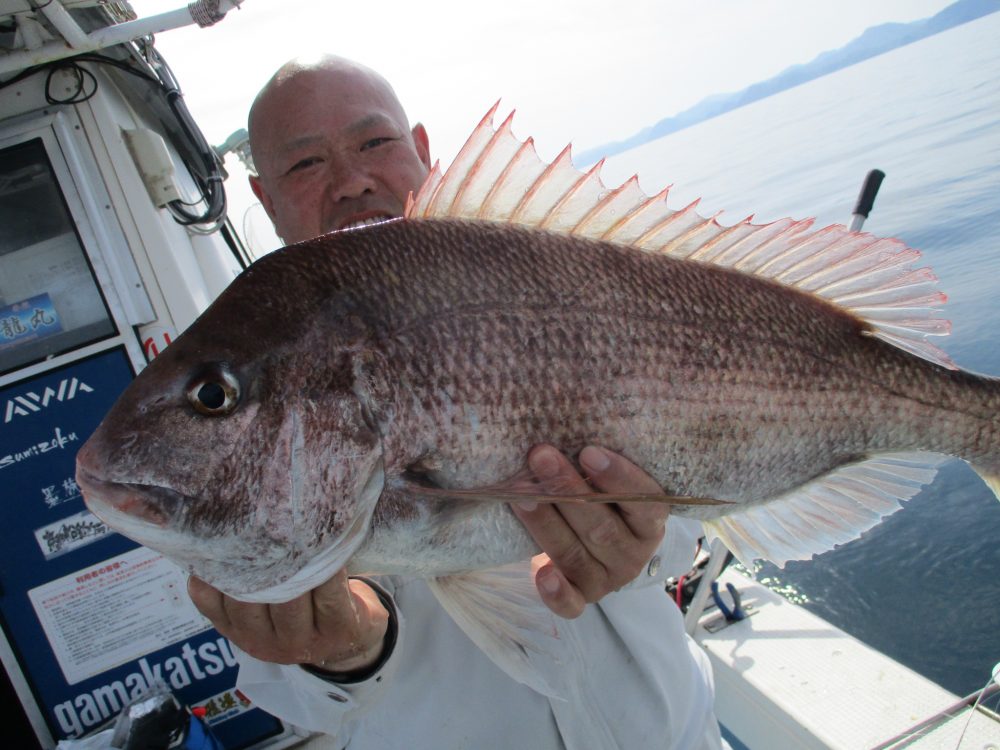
{"x": 866, "y": 199}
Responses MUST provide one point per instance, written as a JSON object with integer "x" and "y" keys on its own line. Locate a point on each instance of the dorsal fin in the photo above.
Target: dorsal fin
{"x": 496, "y": 177}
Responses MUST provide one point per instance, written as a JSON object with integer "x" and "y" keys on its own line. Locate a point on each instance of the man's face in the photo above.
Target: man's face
{"x": 333, "y": 150}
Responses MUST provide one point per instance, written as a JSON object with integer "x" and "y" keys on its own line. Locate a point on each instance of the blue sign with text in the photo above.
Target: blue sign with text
{"x": 93, "y": 618}
{"x": 28, "y": 320}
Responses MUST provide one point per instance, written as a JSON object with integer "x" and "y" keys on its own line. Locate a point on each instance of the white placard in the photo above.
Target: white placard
{"x": 115, "y": 611}
{"x": 224, "y": 706}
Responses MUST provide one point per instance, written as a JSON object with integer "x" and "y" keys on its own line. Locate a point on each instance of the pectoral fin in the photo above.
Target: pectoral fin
{"x": 501, "y": 612}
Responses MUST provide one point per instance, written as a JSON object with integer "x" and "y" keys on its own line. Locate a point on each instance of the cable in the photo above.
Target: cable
{"x": 206, "y": 170}
{"x": 82, "y": 75}
{"x": 210, "y": 179}
{"x": 94, "y": 57}
{"x": 995, "y": 677}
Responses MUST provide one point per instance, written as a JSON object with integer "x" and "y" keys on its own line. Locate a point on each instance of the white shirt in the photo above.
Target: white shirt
{"x": 645, "y": 683}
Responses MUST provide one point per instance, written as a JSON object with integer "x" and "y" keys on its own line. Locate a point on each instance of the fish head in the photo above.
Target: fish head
{"x": 242, "y": 452}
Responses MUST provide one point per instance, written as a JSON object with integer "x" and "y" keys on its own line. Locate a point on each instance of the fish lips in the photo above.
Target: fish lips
{"x": 147, "y": 504}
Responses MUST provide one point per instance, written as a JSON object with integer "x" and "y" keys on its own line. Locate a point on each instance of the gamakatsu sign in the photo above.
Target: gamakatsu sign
{"x": 32, "y": 403}
{"x": 97, "y": 706}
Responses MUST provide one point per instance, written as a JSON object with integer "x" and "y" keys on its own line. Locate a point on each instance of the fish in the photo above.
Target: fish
{"x": 366, "y": 399}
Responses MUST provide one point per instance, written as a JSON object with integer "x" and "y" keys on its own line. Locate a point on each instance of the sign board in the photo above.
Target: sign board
{"x": 91, "y": 617}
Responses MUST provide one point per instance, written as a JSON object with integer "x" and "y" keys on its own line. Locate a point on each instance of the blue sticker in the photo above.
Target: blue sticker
{"x": 28, "y": 320}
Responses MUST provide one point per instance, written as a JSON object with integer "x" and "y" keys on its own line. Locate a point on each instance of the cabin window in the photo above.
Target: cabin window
{"x": 50, "y": 301}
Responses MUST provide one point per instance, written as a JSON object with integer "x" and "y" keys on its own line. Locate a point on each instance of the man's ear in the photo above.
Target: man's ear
{"x": 262, "y": 196}
{"x": 422, "y": 143}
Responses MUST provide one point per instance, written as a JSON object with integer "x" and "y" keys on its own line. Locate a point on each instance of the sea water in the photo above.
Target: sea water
{"x": 924, "y": 586}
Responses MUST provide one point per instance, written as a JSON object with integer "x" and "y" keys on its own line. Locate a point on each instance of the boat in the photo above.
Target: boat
{"x": 116, "y": 236}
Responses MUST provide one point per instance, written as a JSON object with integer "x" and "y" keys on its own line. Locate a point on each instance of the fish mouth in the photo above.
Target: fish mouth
{"x": 366, "y": 219}
{"x": 149, "y": 504}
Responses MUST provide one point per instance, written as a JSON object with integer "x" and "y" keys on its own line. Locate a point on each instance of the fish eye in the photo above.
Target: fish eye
{"x": 215, "y": 394}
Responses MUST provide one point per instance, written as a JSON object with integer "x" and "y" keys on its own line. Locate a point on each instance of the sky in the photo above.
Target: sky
{"x": 580, "y": 71}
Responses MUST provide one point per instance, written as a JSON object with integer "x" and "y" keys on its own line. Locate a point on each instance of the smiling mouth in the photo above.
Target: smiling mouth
{"x": 366, "y": 222}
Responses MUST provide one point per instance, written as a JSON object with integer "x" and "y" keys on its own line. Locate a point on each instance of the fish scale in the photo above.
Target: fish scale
{"x": 560, "y": 347}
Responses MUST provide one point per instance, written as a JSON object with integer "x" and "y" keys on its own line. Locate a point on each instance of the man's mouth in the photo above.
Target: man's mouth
{"x": 366, "y": 221}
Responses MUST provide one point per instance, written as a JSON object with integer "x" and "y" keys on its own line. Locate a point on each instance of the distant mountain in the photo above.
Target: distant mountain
{"x": 872, "y": 42}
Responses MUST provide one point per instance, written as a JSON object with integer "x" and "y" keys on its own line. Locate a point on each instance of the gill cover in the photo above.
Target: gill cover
{"x": 316, "y": 495}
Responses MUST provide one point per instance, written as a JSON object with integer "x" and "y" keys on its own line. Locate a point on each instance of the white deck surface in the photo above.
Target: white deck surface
{"x": 787, "y": 679}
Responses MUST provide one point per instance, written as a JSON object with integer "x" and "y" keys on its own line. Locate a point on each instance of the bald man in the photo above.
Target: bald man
{"x": 379, "y": 664}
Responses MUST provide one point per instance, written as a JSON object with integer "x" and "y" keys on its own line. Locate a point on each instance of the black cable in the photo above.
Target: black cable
{"x": 84, "y": 57}
{"x": 207, "y": 174}
{"x": 82, "y": 75}
{"x": 210, "y": 180}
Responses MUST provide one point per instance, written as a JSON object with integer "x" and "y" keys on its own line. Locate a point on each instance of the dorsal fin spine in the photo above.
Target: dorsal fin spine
{"x": 429, "y": 189}
{"x": 771, "y": 232}
{"x": 577, "y": 186}
{"x": 806, "y": 281}
{"x": 700, "y": 251}
{"x": 660, "y": 226}
{"x": 657, "y": 202}
{"x": 564, "y": 156}
{"x": 599, "y": 208}
{"x": 486, "y": 124}
{"x": 796, "y": 237}
{"x": 818, "y": 242}
{"x": 525, "y": 148}
{"x": 896, "y": 278}
{"x": 482, "y": 159}
{"x": 757, "y": 261}
{"x": 724, "y": 244}
{"x": 416, "y": 204}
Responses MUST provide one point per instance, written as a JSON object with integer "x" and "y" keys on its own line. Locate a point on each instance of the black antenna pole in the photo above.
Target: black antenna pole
{"x": 866, "y": 199}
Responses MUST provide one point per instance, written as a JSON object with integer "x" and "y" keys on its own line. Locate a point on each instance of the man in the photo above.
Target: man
{"x": 381, "y": 664}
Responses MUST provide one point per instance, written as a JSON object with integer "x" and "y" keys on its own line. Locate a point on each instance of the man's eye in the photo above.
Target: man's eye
{"x": 375, "y": 143}
{"x": 304, "y": 163}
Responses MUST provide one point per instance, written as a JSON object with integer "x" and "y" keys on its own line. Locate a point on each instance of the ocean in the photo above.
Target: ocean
{"x": 923, "y": 586}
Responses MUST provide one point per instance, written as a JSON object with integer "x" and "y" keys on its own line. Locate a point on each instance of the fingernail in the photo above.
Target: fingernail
{"x": 594, "y": 459}
{"x": 548, "y": 581}
{"x": 527, "y": 506}
{"x": 543, "y": 463}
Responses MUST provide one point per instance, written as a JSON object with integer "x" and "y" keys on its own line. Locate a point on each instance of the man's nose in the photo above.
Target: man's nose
{"x": 349, "y": 179}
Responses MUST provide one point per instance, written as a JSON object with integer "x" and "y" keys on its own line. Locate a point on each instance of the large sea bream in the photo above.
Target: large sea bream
{"x": 368, "y": 398}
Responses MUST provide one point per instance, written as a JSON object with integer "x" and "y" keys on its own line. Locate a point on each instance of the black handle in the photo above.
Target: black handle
{"x": 866, "y": 199}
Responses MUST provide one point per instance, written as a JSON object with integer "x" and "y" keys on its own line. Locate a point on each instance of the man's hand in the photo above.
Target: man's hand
{"x": 590, "y": 549}
{"x": 338, "y": 626}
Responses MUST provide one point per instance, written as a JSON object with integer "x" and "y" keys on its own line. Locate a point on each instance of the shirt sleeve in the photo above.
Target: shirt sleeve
{"x": 307, "y": 700}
